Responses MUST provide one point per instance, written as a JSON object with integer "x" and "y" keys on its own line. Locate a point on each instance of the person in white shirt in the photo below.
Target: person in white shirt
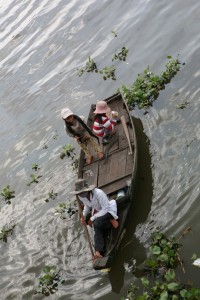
{"x": 98, "y": 212}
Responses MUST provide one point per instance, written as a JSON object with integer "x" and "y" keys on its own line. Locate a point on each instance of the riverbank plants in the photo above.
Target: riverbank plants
{"x": 159, "y": 279}
{"x": 145, "y": 90}
{"x": 7, "y": 194}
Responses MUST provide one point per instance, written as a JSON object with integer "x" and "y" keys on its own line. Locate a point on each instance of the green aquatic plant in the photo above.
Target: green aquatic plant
{"x": 35, "y": 167}
{"x": 7, "y": 194}
{"x": 164, "y": 252}
{"x": 159, "y": 279}
{"x": 49, "y": 281}
{"x": 5, "y": 232}
{"x": 51, "y": 196}
{"x": 108, "y": 72}
{"x": 114, "y": 33}
{"x": 45, "y": 146}
{"x": 34, "y": 179}
{"x": 75, "y": 163}
{"x": 89, "y": 67}
{"x": 182, "y": 105}
{"x": 121, "y": 55}
{"x": 63, "y": 209}
{"x": 68, "y": 150}
{"x": 55, "y": 137}
{"x": 145, "y": 90}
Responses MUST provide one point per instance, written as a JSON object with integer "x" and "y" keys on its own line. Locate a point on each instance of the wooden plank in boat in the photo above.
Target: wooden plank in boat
{"x": 115, "y": 186}
{"x": 91, "y": 173}
{"x": 129, "y": 162}
{"x": 112, "y": 168}
{"x": 123, "y": 112}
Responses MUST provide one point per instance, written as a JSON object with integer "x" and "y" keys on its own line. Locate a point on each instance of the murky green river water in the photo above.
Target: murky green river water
{"x": 42, "y": 43}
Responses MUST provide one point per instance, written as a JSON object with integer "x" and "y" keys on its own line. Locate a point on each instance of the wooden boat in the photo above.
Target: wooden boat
{"x": 115, "y": 174}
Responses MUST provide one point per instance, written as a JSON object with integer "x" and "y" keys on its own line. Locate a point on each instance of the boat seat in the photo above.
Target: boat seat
{"x": 122, "y": 200}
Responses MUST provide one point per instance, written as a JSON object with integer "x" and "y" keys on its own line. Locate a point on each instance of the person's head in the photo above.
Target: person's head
{"x": 82, "y": 188}
{"x": 67, "y": 115}
{"x": 102, "y": 108}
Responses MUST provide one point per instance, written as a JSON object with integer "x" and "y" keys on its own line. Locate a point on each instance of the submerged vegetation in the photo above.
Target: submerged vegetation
{"x": 6, "y": 231}
{"x": 145, "y": 90}
{"x": 7, "y": 194}
{"x": 159, "y": 279}
{"x": 49, "y": 281}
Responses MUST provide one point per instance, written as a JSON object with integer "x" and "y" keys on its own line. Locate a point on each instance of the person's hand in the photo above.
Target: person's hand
{"x": 90, "y": 223}
{"x": 83, "y": 221}
{"x": 114, "y": 130}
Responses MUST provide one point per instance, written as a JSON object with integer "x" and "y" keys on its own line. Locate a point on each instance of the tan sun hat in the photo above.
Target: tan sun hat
{"x": 65, "y": 113}
{"x": 102, "y": 108}
{"x": 81, "y": 185}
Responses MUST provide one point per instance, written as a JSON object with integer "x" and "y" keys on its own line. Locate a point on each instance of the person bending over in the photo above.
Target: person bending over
{"x": 76, "y": 128}
{"x": 99, "y": 212}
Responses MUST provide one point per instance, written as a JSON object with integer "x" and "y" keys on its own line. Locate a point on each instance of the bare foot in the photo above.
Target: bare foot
{"x": 101, "y": 155}
{"x": 89, "y": 159}
{"x": 97, "y": 255}
{"x": 114, "y": 223}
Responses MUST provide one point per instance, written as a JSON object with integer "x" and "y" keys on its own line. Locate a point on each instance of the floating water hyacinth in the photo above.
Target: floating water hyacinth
{"x": 196, "y": 263}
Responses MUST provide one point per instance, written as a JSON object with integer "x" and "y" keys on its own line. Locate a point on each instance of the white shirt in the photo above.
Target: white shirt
{"x": 100, "y": 205}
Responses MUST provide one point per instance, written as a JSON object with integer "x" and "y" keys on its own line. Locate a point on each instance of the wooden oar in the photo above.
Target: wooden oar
{"x": 126, "y": 133}
{"x": 85, "y": 226}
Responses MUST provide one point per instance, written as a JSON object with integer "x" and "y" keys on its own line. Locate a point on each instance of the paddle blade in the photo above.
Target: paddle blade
{"x": 102, "y": 263}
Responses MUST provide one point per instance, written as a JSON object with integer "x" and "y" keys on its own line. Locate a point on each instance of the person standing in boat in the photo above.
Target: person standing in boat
{"x": 103, "y": 126}
{"x": 76, "y": 128}
{"x": 99, "y": 212}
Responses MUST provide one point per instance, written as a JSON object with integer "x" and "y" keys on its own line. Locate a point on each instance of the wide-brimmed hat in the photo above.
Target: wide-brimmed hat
{"x": 102, "y": 108}
{"x": 65, "y": 113}
{"x": 81, "y": 185}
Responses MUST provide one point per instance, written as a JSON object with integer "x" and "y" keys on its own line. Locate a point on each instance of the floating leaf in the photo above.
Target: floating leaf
{"x": 170, "y": 275}
{"x": 173, "y": 286}
{"x": 145, "y": 281}
{"x": 194, "y": 256}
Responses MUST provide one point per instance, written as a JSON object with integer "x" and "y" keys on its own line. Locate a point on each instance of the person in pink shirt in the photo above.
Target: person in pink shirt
{"x": 103, "y": 126}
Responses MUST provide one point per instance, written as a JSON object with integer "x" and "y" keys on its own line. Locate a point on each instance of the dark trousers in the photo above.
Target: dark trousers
{"x": 101, "y": 226}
